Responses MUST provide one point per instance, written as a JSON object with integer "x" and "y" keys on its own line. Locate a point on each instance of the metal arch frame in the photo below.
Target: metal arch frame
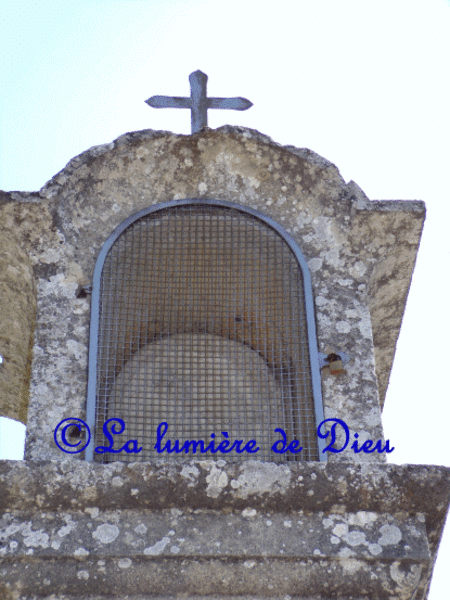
{"x": 95, "y": 307}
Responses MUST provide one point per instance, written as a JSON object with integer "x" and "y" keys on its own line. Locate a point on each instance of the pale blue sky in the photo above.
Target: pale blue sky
{"x": 365, "y": 84}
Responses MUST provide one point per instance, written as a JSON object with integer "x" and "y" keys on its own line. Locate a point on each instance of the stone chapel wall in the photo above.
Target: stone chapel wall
{"x": 208, "y": 528}
{"x": 62, "y": 229}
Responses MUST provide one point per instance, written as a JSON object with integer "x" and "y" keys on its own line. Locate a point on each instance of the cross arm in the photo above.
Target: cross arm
{"x": 169, "y": 102}
{"x": 229, "y": 103}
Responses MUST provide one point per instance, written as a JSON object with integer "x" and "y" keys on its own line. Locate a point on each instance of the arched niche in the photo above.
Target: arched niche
{"x": 202, "y": 317}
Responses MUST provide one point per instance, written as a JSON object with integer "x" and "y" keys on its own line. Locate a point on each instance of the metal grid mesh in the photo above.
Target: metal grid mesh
{"x": 203, "y": 325}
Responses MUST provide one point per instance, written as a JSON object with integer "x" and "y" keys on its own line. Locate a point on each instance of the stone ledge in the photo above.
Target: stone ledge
{"x": 359, "y": 531}
{"x": 320, "y": 578}
{"x": 61, "y": 596}
{"x": 164, "y": 483}
{"x": 207, "y": 534}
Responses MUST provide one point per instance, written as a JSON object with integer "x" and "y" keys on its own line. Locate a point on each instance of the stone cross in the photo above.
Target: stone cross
{"x": 199, "y": 102}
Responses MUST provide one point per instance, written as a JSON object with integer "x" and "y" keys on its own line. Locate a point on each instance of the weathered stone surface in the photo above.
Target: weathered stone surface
{"x": 400, "y": 223}
{"x": 216, "y": 528}
{"x": 355, "y": 249}
{"x": 17, "y": 322}
{"x": 395, "y": 580}
{"x": 207, "y": 533}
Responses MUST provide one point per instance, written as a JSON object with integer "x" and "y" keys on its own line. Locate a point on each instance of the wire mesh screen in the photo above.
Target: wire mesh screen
{"x": 202, "y": 325}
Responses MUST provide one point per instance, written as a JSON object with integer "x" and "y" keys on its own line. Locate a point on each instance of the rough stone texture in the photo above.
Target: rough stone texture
{"x": 355, "y": 250}
{"x": 160, "y": 529}
{"x": 393, "y": 262}
{"x": 17, "y": 322}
